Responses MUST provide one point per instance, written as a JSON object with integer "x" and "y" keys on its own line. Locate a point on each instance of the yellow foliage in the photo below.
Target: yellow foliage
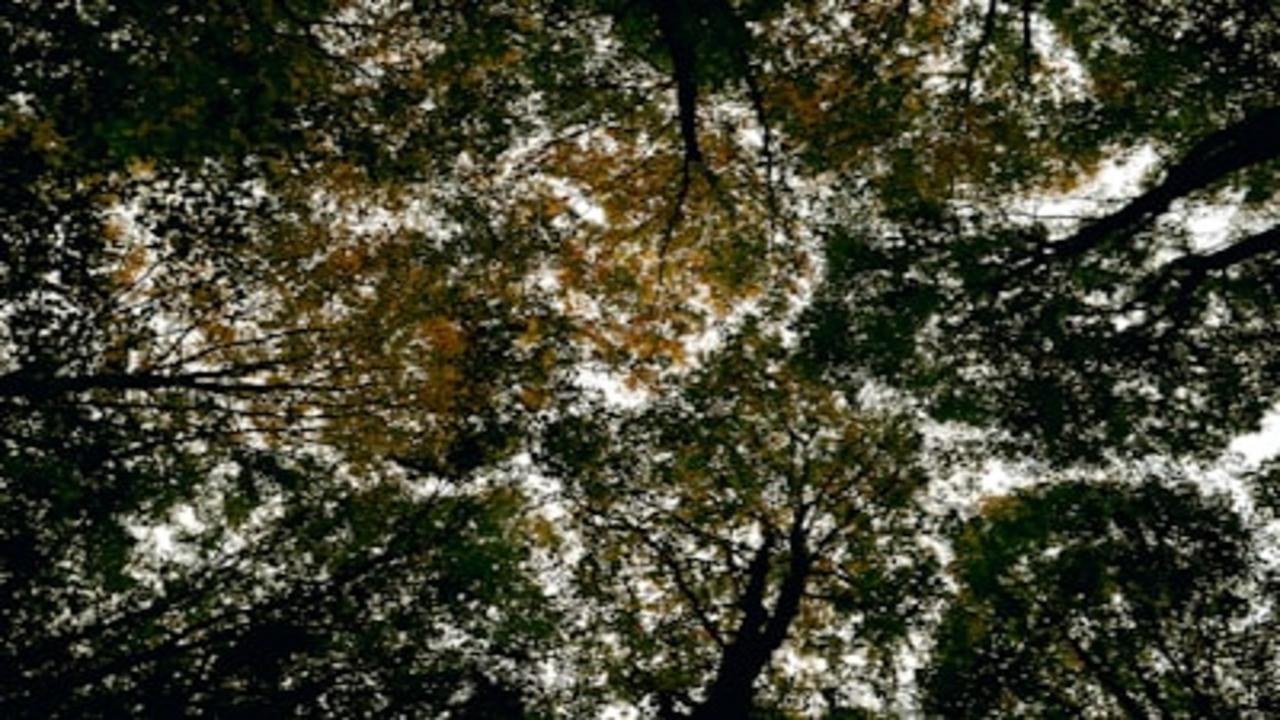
{"x": 998, "y": 506}
{"x": 531, "y": 335}
{"x": 349, "y": 261}
{"x": 439, "y": 391}
{"x": 45, "y": 137}
{"x": 543, "y": 532}
{"x": 219, "y": 333}
{"x": 141, "y": 168}
{"x": 113, "y": 231}
{"x": 444, "y": 335}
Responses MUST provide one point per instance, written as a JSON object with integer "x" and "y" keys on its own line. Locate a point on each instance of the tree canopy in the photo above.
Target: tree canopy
{"x": 560, "y": 358}
{"x": 1135, "y": 600}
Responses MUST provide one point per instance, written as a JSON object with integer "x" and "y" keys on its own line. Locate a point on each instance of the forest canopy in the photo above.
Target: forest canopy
{"x": 639, "y": 358}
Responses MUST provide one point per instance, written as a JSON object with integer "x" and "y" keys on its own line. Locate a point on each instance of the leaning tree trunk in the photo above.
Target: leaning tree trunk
{"x": 731, "y": 694}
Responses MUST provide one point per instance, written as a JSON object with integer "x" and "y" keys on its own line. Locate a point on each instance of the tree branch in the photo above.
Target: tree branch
{"x": 1026, "y": 43}
{"x": 1253, "y": 140}
{"x": 35, "y": 385}
{"x": 975, "y": 54}
{"x": 684, "y": 588}
{"x": 671, "y": 26}
{"x": 1189, "y": 272}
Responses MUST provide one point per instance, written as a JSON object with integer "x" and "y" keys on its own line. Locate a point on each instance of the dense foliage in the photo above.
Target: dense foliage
{"x": 550, "y": 358}
{"x": 1127, "y": 601}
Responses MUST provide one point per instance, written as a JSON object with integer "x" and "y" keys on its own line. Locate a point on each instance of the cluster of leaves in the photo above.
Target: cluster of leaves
{"x": 1130, "y": 601}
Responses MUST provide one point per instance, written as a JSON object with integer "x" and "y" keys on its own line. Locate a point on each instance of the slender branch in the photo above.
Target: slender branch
{"x": 1026, "y": 43}
{"x": 751, "y": 602}
{"x": 975, "y": 54}
{"x": 793, "y": 584}
{"x": 29, "y": 385}
{"x": 685, "y": 589}
{"x": 673, "y": 219}
{"x": 1189, "y": 272}
{"x": 1102, "y": 672}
